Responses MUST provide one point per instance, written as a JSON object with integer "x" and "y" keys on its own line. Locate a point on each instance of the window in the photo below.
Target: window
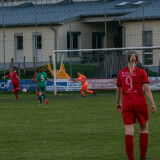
{"x": 97, "y": 39}
{"x": 147, "y": 38}
{"x": 74, "y": 43}
{"x": 138, "y": 3}
{"x": 148, "y": 59}
{"x": 19, "y": 42}
{"x": 39, "y": 41}
{"x": 148, "y": 41}
{"x": 122, "y": 4}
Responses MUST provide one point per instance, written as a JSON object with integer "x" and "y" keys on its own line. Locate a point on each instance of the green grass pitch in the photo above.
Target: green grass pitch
{"x": 69, "y": 128}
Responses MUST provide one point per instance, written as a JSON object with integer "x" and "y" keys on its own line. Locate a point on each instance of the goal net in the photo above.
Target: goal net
{"x": 101, "y": 66}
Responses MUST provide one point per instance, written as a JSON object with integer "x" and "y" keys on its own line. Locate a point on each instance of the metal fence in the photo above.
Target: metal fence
{"x": 32, "y": 29}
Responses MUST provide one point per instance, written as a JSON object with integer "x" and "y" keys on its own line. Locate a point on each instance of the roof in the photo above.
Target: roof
{"x": 24, "y": 15}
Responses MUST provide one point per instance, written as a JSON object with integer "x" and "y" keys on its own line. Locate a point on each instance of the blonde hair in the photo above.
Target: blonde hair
{"x": 132, "y": 60}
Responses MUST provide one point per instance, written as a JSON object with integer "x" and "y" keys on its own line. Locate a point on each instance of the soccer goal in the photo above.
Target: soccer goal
{"x": 101, "y": 66}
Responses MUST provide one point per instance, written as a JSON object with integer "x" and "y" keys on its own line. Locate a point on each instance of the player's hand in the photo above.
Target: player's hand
{"x": 72, "y": 80}
{"x": 19, "y": 80}
{"x": 119, "y": 108}
{"x": 153, "y": 108}
{"x": 3, "y": 77}
{"x": 51, "y": 81}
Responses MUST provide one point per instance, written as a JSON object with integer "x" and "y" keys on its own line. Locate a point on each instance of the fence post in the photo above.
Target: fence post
{"x": 19, "y": 70}
{"x": 24, "y": 65}
{"x": 54, "y": 72}
{"x": 34, "y": 62}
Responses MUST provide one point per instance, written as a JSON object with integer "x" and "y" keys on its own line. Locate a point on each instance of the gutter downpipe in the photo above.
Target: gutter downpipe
{"x": 55, "y": 38}
{"x": 123, "y": 33}
{"x": 123, "y": 38}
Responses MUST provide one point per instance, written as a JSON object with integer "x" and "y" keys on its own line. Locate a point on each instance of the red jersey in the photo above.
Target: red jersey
{"x": 13, "y": 76}
{"x": 131, "y": 84}
{"x": 82, "y": 79}
{"x": 34, "y": 75}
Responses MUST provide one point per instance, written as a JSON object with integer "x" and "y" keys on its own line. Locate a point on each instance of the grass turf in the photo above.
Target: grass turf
{"x": 68, "y": 128}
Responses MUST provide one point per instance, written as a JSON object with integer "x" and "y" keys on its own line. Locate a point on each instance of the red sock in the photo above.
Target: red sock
{"x": 83, "y": 94}
{"x": 89, "y": 91}
{"x": 129, "y": 147}
{"x": 16, "y": 94}
{"x": 143, "y": 144}
{"x": 37, "y": 95}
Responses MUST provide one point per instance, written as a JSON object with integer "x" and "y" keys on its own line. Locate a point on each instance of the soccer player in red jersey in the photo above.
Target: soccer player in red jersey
{"x": 33, "y": 79}
{"x": 14, "y": 78}
{"x": 84, "y": 83}
{"x": 134, "y": 107}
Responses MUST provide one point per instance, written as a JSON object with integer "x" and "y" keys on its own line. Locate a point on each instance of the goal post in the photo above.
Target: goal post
{"x": 54, "y": 72}
{"x": 104, "y": 63}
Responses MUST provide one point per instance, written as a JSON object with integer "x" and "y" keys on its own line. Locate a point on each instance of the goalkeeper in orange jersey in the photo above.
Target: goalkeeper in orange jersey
{"x": 84, "y": 83}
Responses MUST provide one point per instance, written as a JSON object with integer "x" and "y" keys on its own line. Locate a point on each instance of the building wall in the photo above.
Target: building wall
{"x": 85, "y": 37}
{"x": 85, "y": 40}
{"x": 47, "y": 42}
{"x": 133, "y": 36}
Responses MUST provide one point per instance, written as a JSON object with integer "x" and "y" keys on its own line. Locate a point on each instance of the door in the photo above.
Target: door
{"x": 37, "y": 47}
{"x": 19, "y": 47}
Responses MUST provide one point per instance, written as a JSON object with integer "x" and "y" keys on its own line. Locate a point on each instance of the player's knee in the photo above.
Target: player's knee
{"x": 129, "y": 130}
{"x": 144, "y": 128}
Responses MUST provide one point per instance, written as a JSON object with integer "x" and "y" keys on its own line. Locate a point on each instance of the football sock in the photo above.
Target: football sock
{"x": 89, "y": 91}
{"x": 83, "y": 94}
{"x": 129, "y": 146}
{"x": 40, "y": 98}
{"x": 13, "y": 90}
{"x": 16, "y": 94}
{"x": 17, "y": 90}
{"x": 143, "y": 144}
{"x": 38, "y": 95}
{"x": 44, "y": 96}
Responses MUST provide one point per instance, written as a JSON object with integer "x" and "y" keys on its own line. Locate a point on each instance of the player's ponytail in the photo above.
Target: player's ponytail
{"x": 132, "y": 60}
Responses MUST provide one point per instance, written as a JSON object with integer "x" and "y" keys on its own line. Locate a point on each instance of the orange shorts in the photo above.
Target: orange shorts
{"x": 84, "y": 86}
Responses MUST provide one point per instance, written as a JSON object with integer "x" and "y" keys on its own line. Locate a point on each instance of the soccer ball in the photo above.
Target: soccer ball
{"x": 24, "y": 90}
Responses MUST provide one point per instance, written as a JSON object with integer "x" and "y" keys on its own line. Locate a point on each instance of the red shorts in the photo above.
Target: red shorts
{"x": 132, "y": 113}
{"x": 84, "y": 86}
{"x": 15, "y": 84}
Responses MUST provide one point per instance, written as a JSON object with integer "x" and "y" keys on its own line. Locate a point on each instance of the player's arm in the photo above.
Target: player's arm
{"x": 37, "y": 77}
{"x": 18, "y": 78}
{"x": 118, "y": 98}
{"x": 149, "y": 96}
{"x": 74, "y": 80}
{"x": 49, "y": 80}
{"x": 5, "y": 77}
{"x": 33, "y": 79}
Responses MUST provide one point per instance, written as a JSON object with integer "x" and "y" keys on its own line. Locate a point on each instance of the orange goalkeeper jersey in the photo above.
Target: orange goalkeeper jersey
{"x": 82, "y": 79}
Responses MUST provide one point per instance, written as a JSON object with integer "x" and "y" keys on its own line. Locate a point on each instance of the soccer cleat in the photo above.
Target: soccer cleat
{"x": 94, "y": 92}
{"x": 46, "y": 101}
{"x": 40, "y": 104}
{"x": 13, "y": 90}
{"x": 144, "y": 159}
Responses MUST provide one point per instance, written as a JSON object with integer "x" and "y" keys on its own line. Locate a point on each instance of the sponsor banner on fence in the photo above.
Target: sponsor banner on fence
{"x": 101, "y": 84}
{"x": 154, "y": 83}
{"x": 3, "y": 85}
{"x": 68, "y": 85}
